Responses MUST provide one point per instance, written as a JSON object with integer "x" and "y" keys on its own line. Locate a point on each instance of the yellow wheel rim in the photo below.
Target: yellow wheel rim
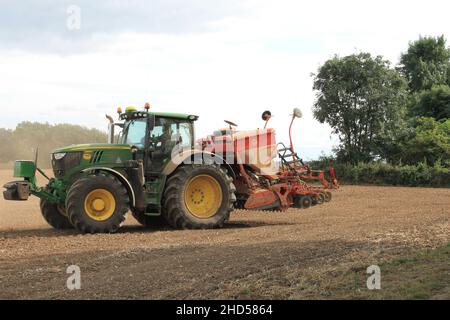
{"x": 203, "y": 196}
{"x": 100, "y": 204}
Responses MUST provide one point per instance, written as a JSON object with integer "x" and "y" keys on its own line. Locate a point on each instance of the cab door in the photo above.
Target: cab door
{"x": 167, "y": 138}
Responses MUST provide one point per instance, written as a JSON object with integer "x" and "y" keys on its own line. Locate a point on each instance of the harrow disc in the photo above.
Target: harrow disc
{"x": 328, "y": 196}
{"x": 320, "y": 198}
{"x": 317, "y": 199}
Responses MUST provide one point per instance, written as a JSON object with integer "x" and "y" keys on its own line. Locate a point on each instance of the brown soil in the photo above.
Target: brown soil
{"x": 291, "y": 255}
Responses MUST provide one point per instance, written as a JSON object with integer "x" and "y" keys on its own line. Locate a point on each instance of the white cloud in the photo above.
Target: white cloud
{"x": 235, "y": 69}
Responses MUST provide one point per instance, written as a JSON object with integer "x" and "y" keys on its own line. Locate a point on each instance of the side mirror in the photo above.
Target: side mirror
{"x": 298, "y": 113}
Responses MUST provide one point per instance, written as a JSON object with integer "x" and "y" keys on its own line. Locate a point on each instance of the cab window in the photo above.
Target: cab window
{"x": 172, "y": 132}
{"x": 136, "y": 133}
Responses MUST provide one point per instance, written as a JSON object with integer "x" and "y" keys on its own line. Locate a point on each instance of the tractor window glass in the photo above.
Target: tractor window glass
{"x": 161, "y": 132}
{"x": 136, "y": 133}
{"x": 183, "y": 134}
{"x": 171, "y": 133}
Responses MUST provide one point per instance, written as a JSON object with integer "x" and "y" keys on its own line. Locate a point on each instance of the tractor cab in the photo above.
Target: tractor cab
{"x": 153, "y": 136}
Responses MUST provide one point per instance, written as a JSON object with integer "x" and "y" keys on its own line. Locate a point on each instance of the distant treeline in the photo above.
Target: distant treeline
{"x": 21, "y": 142}
{"x": 420, "y": 174}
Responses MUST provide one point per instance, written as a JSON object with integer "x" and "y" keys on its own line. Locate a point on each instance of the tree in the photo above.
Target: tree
{"x": 6, "y": 145}
{"x": 361, "y": 98}
{"x": 429, "y": 141}
{"x": 426, "y": 63}
{"x": 433, "y": 103}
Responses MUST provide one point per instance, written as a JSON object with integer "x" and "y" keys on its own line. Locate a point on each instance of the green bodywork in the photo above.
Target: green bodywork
{"x": 86, "y": 158}
{"x": 24, "y": 169}
{"x": 182, "y": 116}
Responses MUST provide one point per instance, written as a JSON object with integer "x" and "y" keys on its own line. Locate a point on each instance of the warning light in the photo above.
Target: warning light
{"x": 147, "y": 106}
{"x": 119, "y": 110}
{"x": 130, "y": 109}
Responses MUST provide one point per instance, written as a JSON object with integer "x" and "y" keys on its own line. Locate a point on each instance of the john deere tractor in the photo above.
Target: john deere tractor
{"x": 150, "y": 168}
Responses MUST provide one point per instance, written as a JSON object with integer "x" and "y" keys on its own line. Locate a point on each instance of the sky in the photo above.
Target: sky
{"x": 75, "y": 61}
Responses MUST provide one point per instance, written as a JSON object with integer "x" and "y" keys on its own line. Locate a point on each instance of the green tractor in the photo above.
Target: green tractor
{"x": 151, "y": 168}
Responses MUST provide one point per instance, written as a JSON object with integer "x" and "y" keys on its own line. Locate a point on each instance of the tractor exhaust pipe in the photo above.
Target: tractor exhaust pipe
{"x": 110, "y": 129}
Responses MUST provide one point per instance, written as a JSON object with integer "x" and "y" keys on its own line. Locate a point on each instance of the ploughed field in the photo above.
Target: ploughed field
{"x": 322, "y": 252}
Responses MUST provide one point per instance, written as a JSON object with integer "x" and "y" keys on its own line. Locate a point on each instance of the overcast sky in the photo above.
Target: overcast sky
{"x": 221, "y": 60}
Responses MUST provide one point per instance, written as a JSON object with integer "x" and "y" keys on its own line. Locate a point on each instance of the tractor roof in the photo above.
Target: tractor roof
{"x": 173, "y": 115}
{"x": 133, "y": 114}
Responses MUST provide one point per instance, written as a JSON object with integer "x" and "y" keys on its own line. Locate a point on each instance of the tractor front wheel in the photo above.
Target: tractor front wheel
{"x": 199, "y": 197}
{"x": 97, "y": 204}
{"x": 55, "y": 215}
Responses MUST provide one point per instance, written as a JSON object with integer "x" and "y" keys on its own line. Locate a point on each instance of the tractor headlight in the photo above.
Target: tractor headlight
{"x": 59, "y": 156}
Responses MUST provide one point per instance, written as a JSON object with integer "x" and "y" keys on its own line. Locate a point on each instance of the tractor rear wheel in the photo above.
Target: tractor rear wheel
{"x": 149, "y": 221}
{"x": 97, "y": 204}
{"x": 199, "y": 197}
{"x": 55, "y": 215}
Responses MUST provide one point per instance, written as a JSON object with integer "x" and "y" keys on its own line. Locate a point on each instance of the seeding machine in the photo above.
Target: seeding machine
{"x": 270, "y": 176}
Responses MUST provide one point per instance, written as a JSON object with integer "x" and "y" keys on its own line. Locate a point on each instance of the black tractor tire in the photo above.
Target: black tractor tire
{"x": 175, "y": 206}
{"x": 54, "y": 215}
{"x": 149, "y": 221}
{"x": 79, "y": 194}
{"x": 328, "y": 196}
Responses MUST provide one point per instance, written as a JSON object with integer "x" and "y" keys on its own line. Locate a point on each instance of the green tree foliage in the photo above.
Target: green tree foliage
{"x": 426, "y": 63}
{"x": 361, "y": 98}
{"x": 379, "y": 172}
{"x": 429, "y": 142}
{"x": 408, "y": 133}
{"x": 433, "y": 103}
{"x": 418, "y": 140}
{"x": 419, "y": 174}
{"x": 21, "y": 142}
